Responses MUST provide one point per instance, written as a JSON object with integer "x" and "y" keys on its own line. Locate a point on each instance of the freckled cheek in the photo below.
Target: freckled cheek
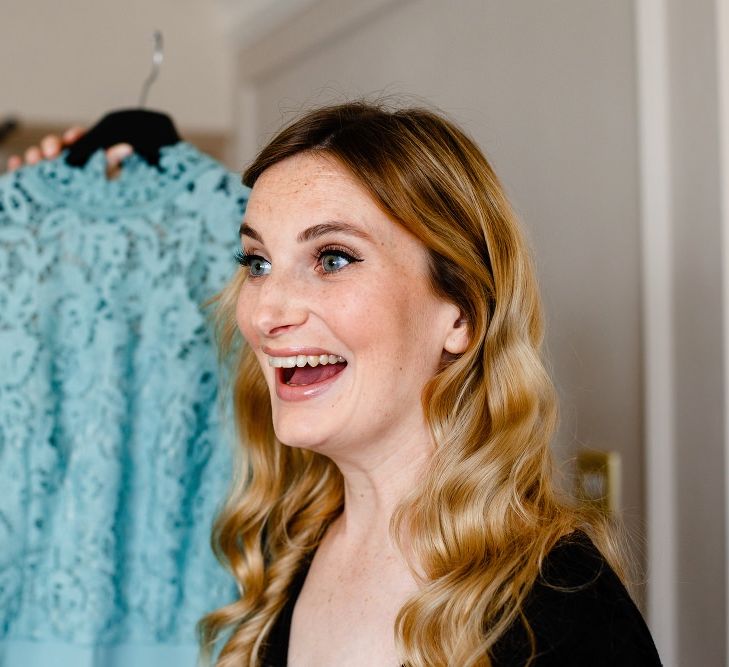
{"x": 378, "y": 322}
{"x": 245, "y": 326}
{"x": 243, "y": 319}
{"x": 357, "y": 320}
{"x": 407, "y": 330}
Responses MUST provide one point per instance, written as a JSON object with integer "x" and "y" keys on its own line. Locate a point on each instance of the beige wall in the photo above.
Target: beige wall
{"x": 549, "y": 90}
{"x": 700, "y": 342}
{"x": 625, "y": 218}
{"x": 71, "y": 61}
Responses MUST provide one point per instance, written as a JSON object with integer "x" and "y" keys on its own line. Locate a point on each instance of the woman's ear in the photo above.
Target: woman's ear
{"x": 458, "y": 337}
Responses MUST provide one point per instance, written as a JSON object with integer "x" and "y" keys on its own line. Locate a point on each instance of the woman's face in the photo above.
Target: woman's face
{"x": 338, "y": 309}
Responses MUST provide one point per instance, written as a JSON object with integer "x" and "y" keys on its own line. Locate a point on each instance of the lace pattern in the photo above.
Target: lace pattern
{"x": 113, "y": 453}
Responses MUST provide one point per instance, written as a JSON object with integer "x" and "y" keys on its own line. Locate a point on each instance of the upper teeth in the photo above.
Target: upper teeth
{"x": 302, "y": 360}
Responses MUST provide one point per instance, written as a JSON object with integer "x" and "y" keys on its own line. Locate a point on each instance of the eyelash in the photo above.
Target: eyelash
{"x": 338, "y": 251}
{"x": 244, "y": 259}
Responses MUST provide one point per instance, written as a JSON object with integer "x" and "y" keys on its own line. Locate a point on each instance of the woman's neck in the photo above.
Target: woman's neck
{"x": 374, "y": 484}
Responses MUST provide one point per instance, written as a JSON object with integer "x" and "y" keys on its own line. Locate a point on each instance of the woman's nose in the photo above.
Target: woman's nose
{"x": 279, "y": 306}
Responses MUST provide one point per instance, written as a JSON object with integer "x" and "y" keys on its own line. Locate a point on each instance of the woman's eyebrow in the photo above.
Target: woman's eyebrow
{"x": 247, "y": 230}
{"x": 315, "y": 231}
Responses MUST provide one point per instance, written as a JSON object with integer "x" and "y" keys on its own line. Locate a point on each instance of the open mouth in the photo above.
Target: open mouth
{"x": 306, "y": 370}
{"x": 302, "y": 377}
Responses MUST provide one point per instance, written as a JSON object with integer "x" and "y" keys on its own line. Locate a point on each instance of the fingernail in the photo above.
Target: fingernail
{"x": 118, "y": 153}
{"x": 72, "y": 134}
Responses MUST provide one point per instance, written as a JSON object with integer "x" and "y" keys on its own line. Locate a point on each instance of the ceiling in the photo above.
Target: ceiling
{"x": 245, "y": 22}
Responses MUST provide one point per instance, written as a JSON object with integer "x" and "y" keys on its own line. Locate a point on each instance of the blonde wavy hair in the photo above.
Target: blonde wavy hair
{"x": 487, "y": 510}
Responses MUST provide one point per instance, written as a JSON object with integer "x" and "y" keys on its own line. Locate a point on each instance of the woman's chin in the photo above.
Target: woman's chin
{"x": 300, "y": 436}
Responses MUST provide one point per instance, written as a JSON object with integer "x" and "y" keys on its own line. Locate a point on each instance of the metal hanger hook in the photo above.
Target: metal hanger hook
{"x": 157, "y": 58}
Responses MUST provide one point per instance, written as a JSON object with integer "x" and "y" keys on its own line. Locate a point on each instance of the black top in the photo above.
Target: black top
{"x": 579, "y": 611}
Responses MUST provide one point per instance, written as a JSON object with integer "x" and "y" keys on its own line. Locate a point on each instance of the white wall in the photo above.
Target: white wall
{"x": 71, "y": 61}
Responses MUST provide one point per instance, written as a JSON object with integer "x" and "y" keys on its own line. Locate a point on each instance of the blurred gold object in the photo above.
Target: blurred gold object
{"x": 597, "y": 479}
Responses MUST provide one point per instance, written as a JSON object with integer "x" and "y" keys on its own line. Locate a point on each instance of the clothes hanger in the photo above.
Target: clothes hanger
{"x": 7, "y": 126}
{"x": 147, "y": 131}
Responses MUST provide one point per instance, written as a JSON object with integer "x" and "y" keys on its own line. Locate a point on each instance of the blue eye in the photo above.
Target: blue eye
{"x": 332, "y": 260}
{"x": 257, "y": 265}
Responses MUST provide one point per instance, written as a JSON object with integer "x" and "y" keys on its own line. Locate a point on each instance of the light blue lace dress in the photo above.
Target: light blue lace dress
{"x": 114, "y": 452}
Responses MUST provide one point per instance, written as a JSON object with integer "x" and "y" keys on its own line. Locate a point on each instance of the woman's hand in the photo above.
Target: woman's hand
{"x": 52, "y": 145}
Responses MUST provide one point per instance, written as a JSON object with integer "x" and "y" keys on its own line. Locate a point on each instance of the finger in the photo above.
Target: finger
{"x": 73, "y": 134}
{"x": 33, "y": 155}
{"x": 50, "y": 146}
{"x": 14, "y": 162}
{"x": 117, "y": 153}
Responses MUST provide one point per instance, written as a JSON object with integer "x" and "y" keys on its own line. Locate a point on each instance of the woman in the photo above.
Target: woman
{"x": 395, "y": 503}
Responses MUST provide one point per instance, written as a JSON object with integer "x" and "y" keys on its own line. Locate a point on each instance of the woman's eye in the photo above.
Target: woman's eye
{"x": 257, "y": 265}
{"x": 332, "y": 261}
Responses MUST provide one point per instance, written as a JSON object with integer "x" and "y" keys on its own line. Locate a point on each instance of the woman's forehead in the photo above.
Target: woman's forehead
{"x": 309, "y": 189}
{"x": 304, "y": 172}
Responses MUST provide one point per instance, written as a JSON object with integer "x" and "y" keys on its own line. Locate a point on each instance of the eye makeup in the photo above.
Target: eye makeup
{"x": 324, "y": 255}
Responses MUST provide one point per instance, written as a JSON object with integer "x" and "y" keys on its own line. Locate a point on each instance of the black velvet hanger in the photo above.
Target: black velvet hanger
{"x": 147, "y": 132}
{"x": 7, "y": 127}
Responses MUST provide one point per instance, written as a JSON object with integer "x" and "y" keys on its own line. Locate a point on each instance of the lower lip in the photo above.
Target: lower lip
{"x": 304, "y": 392}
